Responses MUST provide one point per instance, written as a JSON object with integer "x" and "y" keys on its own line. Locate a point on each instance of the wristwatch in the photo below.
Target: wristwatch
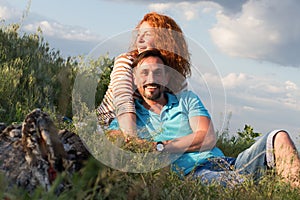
{"x": 160, "y": 146}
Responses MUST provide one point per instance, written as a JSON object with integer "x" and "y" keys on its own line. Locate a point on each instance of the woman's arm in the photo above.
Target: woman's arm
{"x": 118, "y": 100}
{"x": 122, "y": 92}
{"x": 127, "y": 123}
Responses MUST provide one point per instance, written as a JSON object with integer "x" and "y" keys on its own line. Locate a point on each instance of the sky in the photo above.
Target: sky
{"x": 245, "y": 65}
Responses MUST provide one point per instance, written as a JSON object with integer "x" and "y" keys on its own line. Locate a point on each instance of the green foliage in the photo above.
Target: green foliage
{"x": 233, "y": 145}
{"x": 32, "y": 75}
{"x": 247, "y": 135}
{"x": 92, "y": 80}
{"x": 106, "y": 65}
{"x": 96, "y": 181}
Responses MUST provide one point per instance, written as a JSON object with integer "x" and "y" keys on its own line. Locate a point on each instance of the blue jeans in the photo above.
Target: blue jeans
{"x": 229, "y": 171}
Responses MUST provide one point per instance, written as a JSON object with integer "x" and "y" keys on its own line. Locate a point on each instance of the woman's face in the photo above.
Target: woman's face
{"x": 145, "y": 37}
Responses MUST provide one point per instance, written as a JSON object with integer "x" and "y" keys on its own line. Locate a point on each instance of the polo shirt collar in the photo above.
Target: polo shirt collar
{"x": 171, "y": 101}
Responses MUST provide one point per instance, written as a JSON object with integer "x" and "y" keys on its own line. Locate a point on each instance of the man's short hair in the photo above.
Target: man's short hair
{"x": 146, "y": 54}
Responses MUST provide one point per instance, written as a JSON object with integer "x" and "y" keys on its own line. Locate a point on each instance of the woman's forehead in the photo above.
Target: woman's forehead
{"x": 144, "y": 28}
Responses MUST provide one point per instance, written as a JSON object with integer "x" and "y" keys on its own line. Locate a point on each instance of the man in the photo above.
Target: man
{"x": 181, "y": 124}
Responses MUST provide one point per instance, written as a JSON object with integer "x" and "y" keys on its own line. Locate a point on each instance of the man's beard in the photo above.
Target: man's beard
{"x": 156, "y": 94}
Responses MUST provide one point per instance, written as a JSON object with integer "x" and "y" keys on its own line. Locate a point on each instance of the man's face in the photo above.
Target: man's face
{"x": 150, "y": 78}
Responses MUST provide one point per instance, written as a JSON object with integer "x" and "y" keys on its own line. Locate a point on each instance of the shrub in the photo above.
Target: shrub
{"x": 32, "y": 75}
{"x": 233, "y": 145}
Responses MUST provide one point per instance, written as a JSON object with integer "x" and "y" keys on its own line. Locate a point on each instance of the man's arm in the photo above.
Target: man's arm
{"x": 203, "y": 137}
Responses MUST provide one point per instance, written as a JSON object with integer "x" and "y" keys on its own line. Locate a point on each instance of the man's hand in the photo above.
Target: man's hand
{"x": 130, "y": 143}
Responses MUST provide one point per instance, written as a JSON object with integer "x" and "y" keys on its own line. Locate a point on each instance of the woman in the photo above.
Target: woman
{"x": 154, "y": 31}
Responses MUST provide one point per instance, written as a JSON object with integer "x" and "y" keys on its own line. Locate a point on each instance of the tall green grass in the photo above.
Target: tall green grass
{"x": 97, "y": 181}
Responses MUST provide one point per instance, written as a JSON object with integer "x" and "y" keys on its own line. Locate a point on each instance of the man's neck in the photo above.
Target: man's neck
{"x": 155, "y": 105}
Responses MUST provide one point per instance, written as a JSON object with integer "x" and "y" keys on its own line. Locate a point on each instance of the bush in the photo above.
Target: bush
{"x": 33, "y": 76}
{"x": 233, "y": 145}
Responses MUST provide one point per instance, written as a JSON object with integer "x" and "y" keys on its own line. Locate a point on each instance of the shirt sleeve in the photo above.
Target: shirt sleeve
{"x": 194, "y": 105}
{"x": 121, "y": 80}
{"x": 118, "y": 98}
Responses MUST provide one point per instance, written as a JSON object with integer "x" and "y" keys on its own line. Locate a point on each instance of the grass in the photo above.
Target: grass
{"x": 97, "y": 181}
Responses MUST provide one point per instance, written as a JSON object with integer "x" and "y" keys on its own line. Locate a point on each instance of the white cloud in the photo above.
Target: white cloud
{"x": 249, "y": 108}
{"x": 189, "y": 14}
{"x": 160, "y": 7}
{"x": 264, "y": 30}
{"x": 71, "y": 40}
{"x": 250, "y": 91}
{"x": 291, "y": 86}
{"x": 262, "y": 89}
{"x": 50, "y": 28}
{"x": 189, "y": 10}
{"x": 4, "y": 12}
{"x": 234, "y": 80}
{"x": 9, "y": 13}
{"x": 261, "y": 101}
{"x": 292, "y": 97}
{"x": 58, "y": 30}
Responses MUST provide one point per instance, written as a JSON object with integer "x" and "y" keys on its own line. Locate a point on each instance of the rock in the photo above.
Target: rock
{"x": 32, "y": 154}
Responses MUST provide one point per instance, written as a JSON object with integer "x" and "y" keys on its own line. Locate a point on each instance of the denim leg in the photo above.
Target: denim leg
{"x": 218, "y": 170}
{"x": 229, "y": 171}
{"x": 257, "y": 158}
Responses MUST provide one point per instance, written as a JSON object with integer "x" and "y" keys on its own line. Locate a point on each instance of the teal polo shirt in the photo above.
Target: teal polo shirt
{"x": 172, "y": 123}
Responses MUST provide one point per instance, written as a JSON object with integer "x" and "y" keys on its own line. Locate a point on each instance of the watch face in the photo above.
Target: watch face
{"x": 160, "y": 147}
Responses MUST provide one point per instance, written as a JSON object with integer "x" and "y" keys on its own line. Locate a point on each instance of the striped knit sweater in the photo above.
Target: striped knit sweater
{"x": 118, "y": 98}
